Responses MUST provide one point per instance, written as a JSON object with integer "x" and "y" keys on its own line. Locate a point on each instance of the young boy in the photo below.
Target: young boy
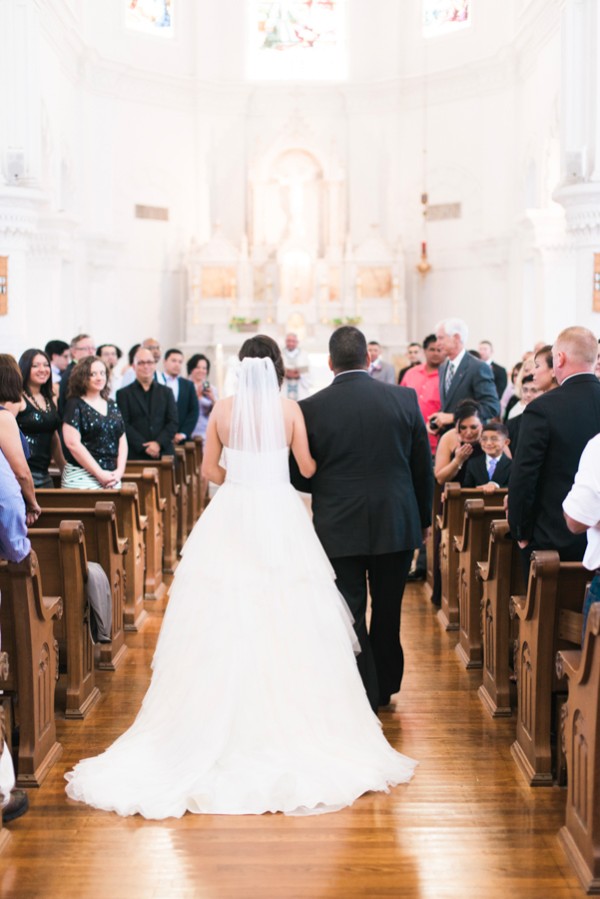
{"x": 491, "y": 470}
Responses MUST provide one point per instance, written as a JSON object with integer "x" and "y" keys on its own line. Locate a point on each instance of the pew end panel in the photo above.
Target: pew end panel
{"x": 153, "y": 506}
{"x": 169, "y": 490}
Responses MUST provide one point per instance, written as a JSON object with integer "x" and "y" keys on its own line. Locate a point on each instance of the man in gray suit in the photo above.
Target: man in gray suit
{"x": 378, "y": 369}
{"x": 462, "y": 377}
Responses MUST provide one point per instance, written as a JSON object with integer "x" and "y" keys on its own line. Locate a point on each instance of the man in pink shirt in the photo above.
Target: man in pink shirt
{"x": 424, "y": 378}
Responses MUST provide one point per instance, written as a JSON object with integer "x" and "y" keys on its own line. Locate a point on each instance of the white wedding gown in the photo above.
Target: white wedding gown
{"x": 256, "y": 704}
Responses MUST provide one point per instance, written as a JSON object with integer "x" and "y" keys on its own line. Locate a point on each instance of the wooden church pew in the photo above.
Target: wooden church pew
{"x": 194, "y": 494}
{"x": 27, "y": 618}
{"x": 152, "y": 506}
{"x": 450, "y": 524}
{"x": 183, "y": 479}
{"x": 580, "y": 727}
{"x": 433, "y": 544}
{"x": 104, "y": 546}
{"x": 63, "y": 562}
{"x": 550, "y": 619}
{"x": 471, "y": 546}
{"x": 501, "y": 575}
{"x": 169, "y": 490}
{"x": 131, "y": 524}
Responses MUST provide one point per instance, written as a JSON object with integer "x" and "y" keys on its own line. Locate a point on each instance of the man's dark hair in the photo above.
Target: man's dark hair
{"x": 528, "y": 379}
{"x": 263, "y": 347}
{"x": 104, "y": 345}
{"x": 475, "y": 354}
{"x": 132, "y": 352}
{"x": 414, "y": 343}
{"x": 373, "y": 343}
{"x": 55, "y": 348}
{"x": 171, "y": 352}
{"x": 347, "y": 348}
{"x": 496, "y": 426}
{"x": 431, "y": 338}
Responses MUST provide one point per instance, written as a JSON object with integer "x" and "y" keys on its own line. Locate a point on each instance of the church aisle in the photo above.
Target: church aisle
{"x": 466, "y": 826}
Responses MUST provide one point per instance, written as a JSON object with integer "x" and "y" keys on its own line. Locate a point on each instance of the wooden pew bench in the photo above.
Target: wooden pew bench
{"x": 131, "y": 524}
{"x": 63, "y": 562}
{"x": 450, "y": 523}
{"x": 471, "y": 546}
{"x": 550, "y": 619}
{"x": 104, "y": 546}
{"x": 169, "y": 491}
{"x": 501, "y": 574}
{"x": 152, "y": 506}
{"x": 580, "y": 728}
{"x": 26, "y": 619}
{"x": 184, "y": 482}
{"x": 433, "y": 541}
{"x": 194, "y": 492}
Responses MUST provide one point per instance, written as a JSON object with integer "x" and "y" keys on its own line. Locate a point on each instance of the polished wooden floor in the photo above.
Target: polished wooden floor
{"x": 466, "y": 826}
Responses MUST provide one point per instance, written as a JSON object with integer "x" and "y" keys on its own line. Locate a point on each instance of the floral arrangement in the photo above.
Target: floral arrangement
{"x": 241, "y": 323}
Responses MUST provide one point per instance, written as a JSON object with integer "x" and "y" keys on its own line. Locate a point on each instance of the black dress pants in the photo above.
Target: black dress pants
{"x": 381, "y": 661}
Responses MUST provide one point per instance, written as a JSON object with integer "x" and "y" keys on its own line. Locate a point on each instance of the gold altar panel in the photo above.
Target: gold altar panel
{"x": 260, "y": 284}
{"x": 335, "y": 286}
{"x": 218, "y": 283}
{"x": 375, "y": 282}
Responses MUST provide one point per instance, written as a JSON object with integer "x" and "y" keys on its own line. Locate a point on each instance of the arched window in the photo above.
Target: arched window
{"x": 445, "y": 16}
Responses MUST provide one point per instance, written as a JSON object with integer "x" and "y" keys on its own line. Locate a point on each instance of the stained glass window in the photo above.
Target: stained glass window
{"x": 297, "y": 39}
{"x": 151, "y": 16}
{"x": 445, "y": 16}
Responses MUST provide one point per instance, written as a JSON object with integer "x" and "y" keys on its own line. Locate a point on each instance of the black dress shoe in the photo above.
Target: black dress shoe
{"x": 384, "y": 700}
{"x": 17, "y": 806}
{"x": 419, "y": 574}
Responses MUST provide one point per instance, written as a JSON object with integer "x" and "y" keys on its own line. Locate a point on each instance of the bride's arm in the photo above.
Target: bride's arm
{"x": 299, "y": 444}
{"x": 212, "y": 451}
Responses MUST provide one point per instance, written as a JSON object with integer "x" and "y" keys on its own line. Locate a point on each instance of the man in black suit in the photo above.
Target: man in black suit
{"x": 184, "y": 392}
{"x": 371, "y": 498}
{"x": 486, "y": 352}
{"x": 149, "y": 411}
{"x": 462, "y": 376}
{"x": 555, "y": 429}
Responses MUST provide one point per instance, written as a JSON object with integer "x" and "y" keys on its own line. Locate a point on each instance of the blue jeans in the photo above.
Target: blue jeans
{"x": 592, "y": 596}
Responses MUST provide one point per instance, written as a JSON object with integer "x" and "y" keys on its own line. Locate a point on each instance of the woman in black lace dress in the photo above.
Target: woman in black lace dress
{"x": 39, "y": 420}
{"x": 93, "y": 430}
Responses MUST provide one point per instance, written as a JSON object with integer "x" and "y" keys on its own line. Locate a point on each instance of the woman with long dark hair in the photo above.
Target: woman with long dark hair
{"x": 39, "y": 420}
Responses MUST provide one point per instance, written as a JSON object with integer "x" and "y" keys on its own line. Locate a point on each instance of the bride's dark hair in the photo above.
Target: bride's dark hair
{"x": 261, "y": 346}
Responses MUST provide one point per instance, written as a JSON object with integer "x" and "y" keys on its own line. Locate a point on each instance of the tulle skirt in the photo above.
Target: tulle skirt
{"x": 255, "y": 704}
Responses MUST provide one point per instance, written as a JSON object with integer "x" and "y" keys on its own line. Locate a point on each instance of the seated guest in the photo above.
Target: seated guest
{"x": 13, "y": 444}
{"x": 110, "y": 354}
{"x": 39, "y": 420}
{"x": 459, "y": 444}
{"x": 59, "y": 355}
{"x": 543, "y": 372}
{"x": 529, "y": 391}
{"x": 93, "y": 431}
{"x": 82, "y": 345}
{"x": 486, "y": 353}
{"x": 198, "y": 368}
{"x": 149, "y": 411}
{"x": 184, "y": 392}
{"x": 491, "y": 469}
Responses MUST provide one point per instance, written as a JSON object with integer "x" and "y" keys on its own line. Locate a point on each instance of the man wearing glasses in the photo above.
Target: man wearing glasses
{"x": 148, "y": 343}
{"x": 81, "y": 346}
{"x": 149, "y": 411}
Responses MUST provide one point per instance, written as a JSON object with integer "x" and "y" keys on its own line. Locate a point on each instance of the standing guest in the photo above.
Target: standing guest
{"x": 93, "y": 430}
{"x": 110, "y": 354}
{"x": 424, "y": 378}
{"x": 491, "y": 469}
{"x": 149, "y": 411}
{"x": 378, "y": 369}
{"x": 462, "y": 376}
{"x": 184, "y": 392}
{"x": 372, "y": 495}
{"x": 555, "y": 429}
{"x": 529, "y": 391}
{"x": 581, "y": 509}
{"x": 597, "y": 369}
{"x": 296, "y": 384}
{"x": 460, "y": 444}
{"x": 39, "y": 420}
{"x": 508, "y": 397}
{"x": 543, "y": 372}
{"x": 415, "y": 357}
{"x": 486, "y": 353}
{"x": 60, "y": 355}
{"x": 13, "y": 444}
{"x": 148, "y": 343}
{"x": 198, "y": 368}
{"x": 82, "y": 345}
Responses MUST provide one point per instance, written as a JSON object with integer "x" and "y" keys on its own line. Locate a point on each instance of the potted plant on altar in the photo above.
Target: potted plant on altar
{"x": 241, "y": 323}
{"x": 348, "y": 320}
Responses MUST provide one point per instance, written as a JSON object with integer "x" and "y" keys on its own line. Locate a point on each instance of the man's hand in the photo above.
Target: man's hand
{"x": 179, "y": 438}
{"x": 523, "y": 543}
{"x": 152, "y": 449}
{"x": 441, "y": 419}
{"x": 426, "y": 534}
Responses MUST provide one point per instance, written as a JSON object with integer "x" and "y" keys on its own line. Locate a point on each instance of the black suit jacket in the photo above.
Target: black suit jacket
{"x": 472, "y": 380}
{"x": 161, "y": 425}
{"x": 500, "y": 378}
{"x": 555, "y": 428}
{"x": 372, "y": 492}
{"x": 62, "y": 388}
{"x": 188, "y": 407}
{"x": 476, "y": 474}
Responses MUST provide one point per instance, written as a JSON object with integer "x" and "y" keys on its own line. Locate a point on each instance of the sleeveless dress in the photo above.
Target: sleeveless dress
{"x": 255, "y": 704}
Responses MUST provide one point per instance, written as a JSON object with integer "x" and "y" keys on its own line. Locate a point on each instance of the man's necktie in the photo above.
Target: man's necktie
{"x": 449, "y": 376}
{"x": 491, "y": 467}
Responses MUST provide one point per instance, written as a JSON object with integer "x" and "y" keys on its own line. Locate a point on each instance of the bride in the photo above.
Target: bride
{"x": 255, "y": 704}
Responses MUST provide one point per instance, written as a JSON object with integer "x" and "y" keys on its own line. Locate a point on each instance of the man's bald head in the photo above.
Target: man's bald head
{"x": 575, "y": 351}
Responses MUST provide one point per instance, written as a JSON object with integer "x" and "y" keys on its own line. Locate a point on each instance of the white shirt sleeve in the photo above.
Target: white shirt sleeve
{"x": 583, "y": 500}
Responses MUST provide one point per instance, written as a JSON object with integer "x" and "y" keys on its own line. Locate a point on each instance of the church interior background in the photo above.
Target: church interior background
{"x": 194, "y": 169}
